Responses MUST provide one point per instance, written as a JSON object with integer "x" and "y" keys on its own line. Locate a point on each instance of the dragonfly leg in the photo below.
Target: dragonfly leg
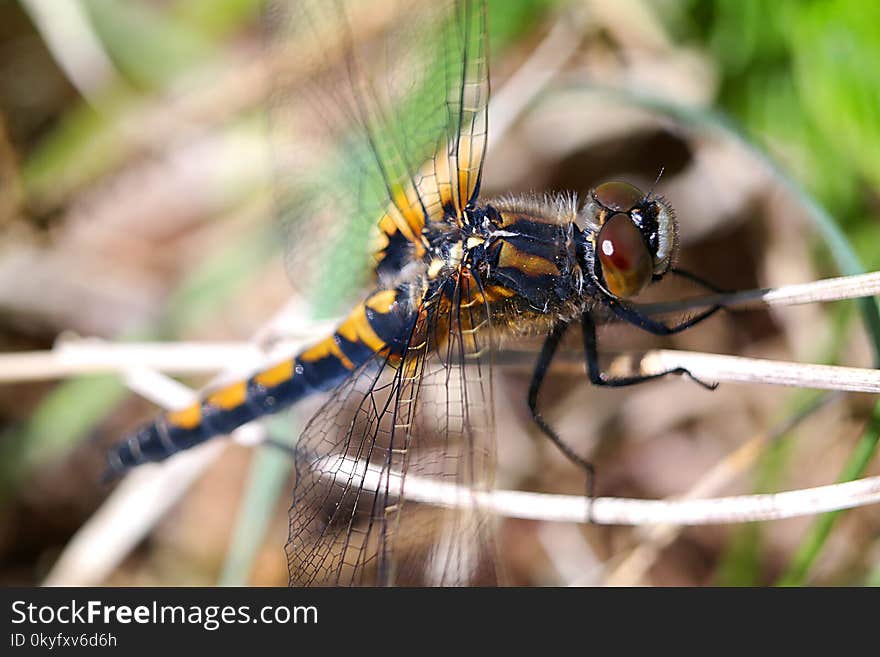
{"x": 651, "y": 325}
{"x": 693, "y": 278}
{"x": 599, "y": 378}
{"x": 547, "y": 352}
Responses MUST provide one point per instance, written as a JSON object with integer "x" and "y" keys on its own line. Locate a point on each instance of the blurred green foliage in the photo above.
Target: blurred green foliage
{"x": 801, "y": 77}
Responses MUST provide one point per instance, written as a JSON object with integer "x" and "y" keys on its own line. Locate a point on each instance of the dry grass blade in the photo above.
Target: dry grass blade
{"x": 90, "y": 357}
{"x": 71, "y": 38}
{"x": 716, "y": 368}
{"x": 95, "y": 356}
{"x": 113, "y": 531}
{"x": 72, "y": 357}
{"x": 829, "y": 289}
{"x": 625, "y": 511}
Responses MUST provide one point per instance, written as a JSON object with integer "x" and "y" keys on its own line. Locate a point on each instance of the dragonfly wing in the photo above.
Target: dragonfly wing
{"x": 390, "y": 440}
{"x": 338, "y": 498}
{"x": 454, "y": 432}
{"x": 378, "y": 112}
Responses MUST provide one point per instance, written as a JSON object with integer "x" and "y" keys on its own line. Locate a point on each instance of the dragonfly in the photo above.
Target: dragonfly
{"x": 401, "y": 108}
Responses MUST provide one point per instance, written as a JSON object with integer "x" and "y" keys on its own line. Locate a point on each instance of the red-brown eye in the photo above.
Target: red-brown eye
{"x": 618, "y": 196}
{"x": 624, "y": 257}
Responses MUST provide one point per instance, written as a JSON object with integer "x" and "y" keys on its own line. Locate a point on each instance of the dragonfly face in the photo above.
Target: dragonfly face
{"x": 634, "y": 238}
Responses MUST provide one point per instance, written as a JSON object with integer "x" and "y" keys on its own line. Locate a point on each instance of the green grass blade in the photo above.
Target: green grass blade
{"x": 811, "y": 547}
{"x": 269, "y": 472}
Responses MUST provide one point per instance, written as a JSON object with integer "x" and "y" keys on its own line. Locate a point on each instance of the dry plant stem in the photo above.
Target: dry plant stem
{"x": 91, "y": 357}
{"x": 116, "y": 528}
{"x": 621, "y": 511}
{"x": 99, "y": 546}
{"x": 632, "y": 568}
{"x": 72, "y": 357}
{"x": 96, "y": 357}
{"x": 721, "y": 510}
{"x": 829, "y": 289}
{"x": 70, "y": 37}
{"x": 187, "y": 358}
{"x": 148, "y": 492}
{"x": 736, "y": 369}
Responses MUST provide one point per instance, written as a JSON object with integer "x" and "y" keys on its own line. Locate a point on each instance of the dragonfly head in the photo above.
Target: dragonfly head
{"x": 633, "y": 235}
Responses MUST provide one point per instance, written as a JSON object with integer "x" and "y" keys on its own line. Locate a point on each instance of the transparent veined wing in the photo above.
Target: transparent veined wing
{"x": 454, "y": 444}
{"x": 402, "y": 428}
{"x": 379, "y": 121}
{"x": 377, "y": 118}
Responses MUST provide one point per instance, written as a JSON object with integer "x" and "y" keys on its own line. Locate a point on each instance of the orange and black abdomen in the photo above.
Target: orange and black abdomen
{"x": 380, "y": 325}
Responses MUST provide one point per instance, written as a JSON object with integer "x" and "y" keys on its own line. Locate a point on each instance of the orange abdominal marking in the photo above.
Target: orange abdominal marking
{"x": 186, "y": 418}
{"x": 231, "y": 396}
{"x": 388, "y": 226}
{"x": 356, "y": 328}
{"x": 327, "y": 348}
{"x": 276, "y": 375}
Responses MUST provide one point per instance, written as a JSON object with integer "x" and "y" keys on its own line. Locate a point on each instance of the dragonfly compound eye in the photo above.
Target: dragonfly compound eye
{"x": 618, "y": 196}
{"x": 624, "y": 260}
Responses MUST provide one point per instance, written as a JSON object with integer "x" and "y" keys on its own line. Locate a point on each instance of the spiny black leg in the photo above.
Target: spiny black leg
{"x": 646, "y": 323}
{"x": 693, "y": 278}
{"x": 544, "y": 360}
{"x": 599, "y": 378}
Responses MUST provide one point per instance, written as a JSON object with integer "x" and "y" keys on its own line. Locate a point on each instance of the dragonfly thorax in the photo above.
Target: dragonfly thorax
{"x": 558, "y": 257}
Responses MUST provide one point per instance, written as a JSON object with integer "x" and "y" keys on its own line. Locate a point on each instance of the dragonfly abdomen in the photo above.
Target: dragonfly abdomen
{"x": 381, "y": 324}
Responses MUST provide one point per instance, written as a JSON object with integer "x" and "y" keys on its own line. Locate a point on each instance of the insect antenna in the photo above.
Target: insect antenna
{"x": 655, "y": 183}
